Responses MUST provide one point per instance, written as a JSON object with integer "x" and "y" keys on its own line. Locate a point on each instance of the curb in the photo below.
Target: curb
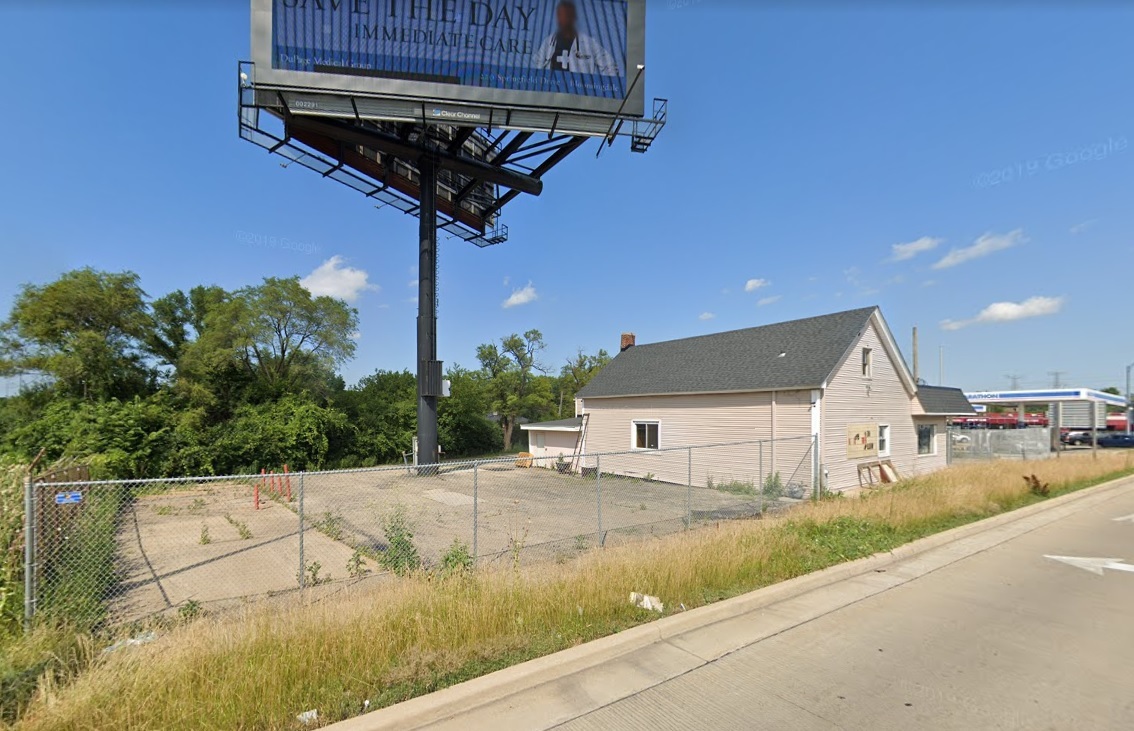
{"x": 479, "y": 692}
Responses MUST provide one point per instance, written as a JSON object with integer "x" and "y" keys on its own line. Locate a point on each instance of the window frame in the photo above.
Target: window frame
{"x": 932, "y": 440}
{"x": 884, "y": 428}
{"x": 867, "y": 362}
{"x": 634, "y": 424}
{"x": 541, "y": 440}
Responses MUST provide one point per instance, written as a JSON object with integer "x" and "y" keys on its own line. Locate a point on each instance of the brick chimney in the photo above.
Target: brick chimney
{"x": 627, "y": 341}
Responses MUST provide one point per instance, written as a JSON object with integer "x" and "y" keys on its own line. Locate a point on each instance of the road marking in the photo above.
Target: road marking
{"x": 1124, "y": 519}
{"x": 1094, "y": 565}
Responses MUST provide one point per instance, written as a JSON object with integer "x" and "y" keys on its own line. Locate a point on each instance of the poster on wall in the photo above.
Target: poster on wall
{"x": 862, "y": 440}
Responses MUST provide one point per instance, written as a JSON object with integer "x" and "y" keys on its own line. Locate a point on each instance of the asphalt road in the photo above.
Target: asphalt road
{"x": 1003, "y": 639}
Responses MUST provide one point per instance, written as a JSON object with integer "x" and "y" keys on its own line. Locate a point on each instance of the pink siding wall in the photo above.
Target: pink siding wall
{"x": 851, "y": 398}
{"x": 703, "y": 419}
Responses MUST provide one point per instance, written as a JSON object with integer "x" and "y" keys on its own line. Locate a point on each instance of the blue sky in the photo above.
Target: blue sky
{"x": 804, "y": 144}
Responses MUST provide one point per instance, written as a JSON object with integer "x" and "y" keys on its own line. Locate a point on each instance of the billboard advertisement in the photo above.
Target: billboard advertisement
{"x": 572, "y": 55}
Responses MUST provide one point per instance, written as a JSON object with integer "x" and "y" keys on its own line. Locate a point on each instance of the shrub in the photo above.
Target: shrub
{"x": 401, "y": 554}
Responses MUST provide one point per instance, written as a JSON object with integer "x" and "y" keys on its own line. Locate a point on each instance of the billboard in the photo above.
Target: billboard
{"x": 569, "y": 55}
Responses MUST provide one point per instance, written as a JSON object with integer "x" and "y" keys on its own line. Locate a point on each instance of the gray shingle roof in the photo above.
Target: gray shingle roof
{"x": 942, "y": 400}
{"x": 740, "y": 360}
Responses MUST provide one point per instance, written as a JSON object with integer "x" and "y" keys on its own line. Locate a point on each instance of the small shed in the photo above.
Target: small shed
{"x": 548, "y": 440}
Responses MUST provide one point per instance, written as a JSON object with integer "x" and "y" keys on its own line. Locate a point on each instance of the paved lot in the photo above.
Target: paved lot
{"x": 208, "y": 543}
{"x": 1005, "y": 639}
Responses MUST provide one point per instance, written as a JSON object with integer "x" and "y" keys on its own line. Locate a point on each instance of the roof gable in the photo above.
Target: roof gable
{"x": 738, "y": 360}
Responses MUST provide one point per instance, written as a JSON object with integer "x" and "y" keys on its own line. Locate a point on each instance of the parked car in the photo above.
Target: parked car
{"x": 1117, "y": 440}
{"x": 1076, "y": 438}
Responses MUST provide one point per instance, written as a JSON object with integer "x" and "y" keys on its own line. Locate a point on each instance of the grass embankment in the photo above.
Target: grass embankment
{"x": 259, "y": 668}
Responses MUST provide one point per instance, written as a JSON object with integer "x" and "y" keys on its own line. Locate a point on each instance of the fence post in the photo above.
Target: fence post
{"x": 302, "y": 562}
{"x": 689, "y": 494}
{"x": 598, "y": 496}
{"x": 475, "y": 505}
{"x": 760, "y": 479}
{"x": 29, "y": 552}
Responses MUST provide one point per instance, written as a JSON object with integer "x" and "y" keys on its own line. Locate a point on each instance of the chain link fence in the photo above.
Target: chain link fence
{"x": 111, "y": 552}
{"x": 988, "y": 444}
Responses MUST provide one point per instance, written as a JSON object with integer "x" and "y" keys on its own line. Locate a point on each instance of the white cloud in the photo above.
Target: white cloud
{"x": 355, "y": 336}
{"x": 521, "y": 296}
{"x": 333, "y": 278}
{"x": 1010, "y": 312}
{"x": 507, "y": 281}
{"x": 985, "y": 245}
{"x": 929, "y": 283}
{"x": 412, "y": 283}
{"x": 754, "y": 284}
{"x": 769, "y": 300}
{"x": 383, "y": 306}
{"x": 706, "y": 316}
{"x": 1081, "y": 227}
{"x": 902, "y": 252}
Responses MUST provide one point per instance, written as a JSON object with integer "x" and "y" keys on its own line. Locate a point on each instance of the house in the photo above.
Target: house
{"x": 549, "y": 440}
{"x": 837, "y": 382}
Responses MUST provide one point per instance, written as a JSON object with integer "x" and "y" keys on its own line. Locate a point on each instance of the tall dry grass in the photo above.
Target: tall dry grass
{"x": 258, "y": 668}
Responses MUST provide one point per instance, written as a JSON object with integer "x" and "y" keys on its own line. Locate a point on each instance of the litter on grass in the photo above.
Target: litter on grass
{"x": 645, "y": 601}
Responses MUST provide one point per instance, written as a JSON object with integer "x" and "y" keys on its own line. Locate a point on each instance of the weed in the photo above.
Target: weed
{"x": 736, "y": 487}
{"x": 190, "y": 610}
{"x": 356, "y": 565}
{"x": 401, "y": 554}
{"x": 516, "y": 547}
{"x": 197, "y": 506}
{"x": 1036, "y": 487}
{"x": 166, "y": 510}
{"x": 580, "y": 543}
{"x": 641, "y": 506}
{"x": 204, "y": 540}
{"x": 330, "y": 525}
{"x": 241, "y": 527}
{"x": 310, "y": 576}
{"x": 773, "y": 486}
{"x": 650, "y": 476}
{"x": 457, "y": 560}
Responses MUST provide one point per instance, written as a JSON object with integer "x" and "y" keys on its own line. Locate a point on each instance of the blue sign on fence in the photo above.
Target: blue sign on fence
{"x": 68, "y": 498}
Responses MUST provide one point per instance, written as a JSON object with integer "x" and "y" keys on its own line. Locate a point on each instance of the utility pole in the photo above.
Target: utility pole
{"x": 1129, "y": 403}
{"x": 1014, "y": 379}
{"x": 1057, "y": 378}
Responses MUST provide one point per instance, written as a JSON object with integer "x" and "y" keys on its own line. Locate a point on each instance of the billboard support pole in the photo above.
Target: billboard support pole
{"x": 427, "y": 377}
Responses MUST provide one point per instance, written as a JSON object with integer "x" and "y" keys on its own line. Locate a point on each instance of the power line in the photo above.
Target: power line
{"x": 1014, "y": 378}
{"x": 1056, "y": 378}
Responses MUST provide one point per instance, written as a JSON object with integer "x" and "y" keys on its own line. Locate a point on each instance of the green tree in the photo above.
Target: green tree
{"x": 84, "y": 332}
{"x": 462, "y": 423}
{"x": 510, "y": 371}
{"x": 258, "y": 344}
{"x": 577, "y": 373}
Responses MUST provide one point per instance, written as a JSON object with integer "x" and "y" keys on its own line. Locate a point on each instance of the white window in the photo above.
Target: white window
{"x": 926, "y": 439}
{"x": 645, "y": 435}
{"x": 540, "y": 439}
{"x": 883, "y": 440}
{"x": 867, "y": 362}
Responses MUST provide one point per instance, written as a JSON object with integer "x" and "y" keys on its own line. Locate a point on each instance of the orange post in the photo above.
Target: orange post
{"x": 287, "y": 479}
